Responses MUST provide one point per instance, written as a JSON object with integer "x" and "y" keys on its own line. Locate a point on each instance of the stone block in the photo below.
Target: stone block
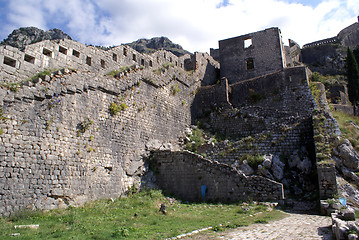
{"x": 348, "y": 214}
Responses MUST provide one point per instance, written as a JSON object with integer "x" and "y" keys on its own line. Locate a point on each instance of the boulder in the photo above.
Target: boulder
{"x": 348, "y": 214}
{"x": 246, "y": 169}
{"x": 305, "y": 165}
{"x": 294, "y": 160}
{"x": 349, "y": 156}
{"x": 267, "y": 162}
{"x": 277, "y": 168}
{"x": 264, "y": 172}
{"x": 167, "y": 146}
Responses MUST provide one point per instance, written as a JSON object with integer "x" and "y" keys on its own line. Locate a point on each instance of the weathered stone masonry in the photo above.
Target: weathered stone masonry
{"x": 185, "y": 174}
{"x": 18, "y": 65}
{"x": 60, "y": 145}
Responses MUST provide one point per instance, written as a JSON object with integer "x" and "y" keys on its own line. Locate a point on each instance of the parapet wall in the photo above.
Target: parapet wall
{"x": 17, "y": 66}
{"x": 194, "y": 178}
{"x": 322, "y": 42}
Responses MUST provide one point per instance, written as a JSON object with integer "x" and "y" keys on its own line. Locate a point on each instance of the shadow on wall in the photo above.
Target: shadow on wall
{"x": 211, "y": 75}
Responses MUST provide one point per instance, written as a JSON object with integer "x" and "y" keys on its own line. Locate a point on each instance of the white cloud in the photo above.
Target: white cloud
{"x": 195, "y": 24}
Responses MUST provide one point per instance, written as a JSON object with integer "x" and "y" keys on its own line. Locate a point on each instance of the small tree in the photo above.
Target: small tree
{"x": 353, "y": 79}
{"x": 356, "y": 54}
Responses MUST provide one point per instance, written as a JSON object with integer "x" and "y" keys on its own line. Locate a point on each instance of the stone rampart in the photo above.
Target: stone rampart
{"x": 194, "y": 178}
{"x": 17, "y": 66}
{"x": 322, "y": 42}
{"x": 62, "y": 144}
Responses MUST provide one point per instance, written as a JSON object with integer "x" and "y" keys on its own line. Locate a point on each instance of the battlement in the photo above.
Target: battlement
{"x": 322, "y": 42}
{"x": 17, "y": 66}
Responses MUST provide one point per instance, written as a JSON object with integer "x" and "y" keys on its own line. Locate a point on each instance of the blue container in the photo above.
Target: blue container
{"x": 343, "y": 201}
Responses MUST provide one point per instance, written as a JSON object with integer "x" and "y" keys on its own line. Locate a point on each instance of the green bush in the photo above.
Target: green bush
{"x": 115, "y": 108}
{"x": 252, "y": 160}
{"x": 85, "y": 125}
{"x": 175, "y": 89}
{"x": 196, "y": 139}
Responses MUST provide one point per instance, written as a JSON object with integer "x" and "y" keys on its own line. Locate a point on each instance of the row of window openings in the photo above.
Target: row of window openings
{"x": 46, "y": 52}
{"x": 12, "y": 62}
{"x": 77, "y": 53}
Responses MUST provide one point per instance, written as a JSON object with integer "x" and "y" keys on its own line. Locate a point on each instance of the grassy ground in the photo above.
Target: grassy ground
{"x": 134, "y": 217}
{"x": 347, "y": 127}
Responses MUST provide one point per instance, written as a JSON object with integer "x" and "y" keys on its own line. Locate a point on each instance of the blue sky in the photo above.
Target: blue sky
{"x": 197, "y": 25}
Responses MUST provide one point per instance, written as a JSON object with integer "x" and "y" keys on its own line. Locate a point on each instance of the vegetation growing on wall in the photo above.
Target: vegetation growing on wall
{"x": 46, "y": 72}
{"x": 323, "y": 138}
{"x": 349, "y": 126}
{"x": 115, "y": 108}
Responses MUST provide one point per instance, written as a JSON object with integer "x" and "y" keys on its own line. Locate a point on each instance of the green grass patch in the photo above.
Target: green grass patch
{"x": 134, "y": 217}
{"x": 46, "y": 72}
{"x": 124, "y": 69}
{"x": 347, "y": 126}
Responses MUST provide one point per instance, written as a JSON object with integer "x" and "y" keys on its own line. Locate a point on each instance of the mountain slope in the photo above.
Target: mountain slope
{"x": 21, "y": 37}
{"x": 151, "y": 45}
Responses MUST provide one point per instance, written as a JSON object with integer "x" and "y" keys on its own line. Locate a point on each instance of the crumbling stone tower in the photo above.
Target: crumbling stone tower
{"x": 252, "y": 55}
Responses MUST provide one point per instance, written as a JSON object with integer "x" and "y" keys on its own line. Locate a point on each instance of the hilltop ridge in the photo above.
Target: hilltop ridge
{"x": 157, "y": 43}
{"x": 23, "y": 36}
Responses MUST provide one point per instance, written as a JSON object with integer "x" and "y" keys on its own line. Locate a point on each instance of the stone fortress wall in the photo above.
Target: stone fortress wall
{"x": 56, "y": 54}
{"x": 60, "y": 144}
{"x": 348, "y": 37}
{"x": 322, "y": 42}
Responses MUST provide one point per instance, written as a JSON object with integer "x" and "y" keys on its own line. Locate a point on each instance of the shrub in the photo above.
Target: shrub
{"x": 85, "y": 125}
{"x": 196, "y": 140}
{"x": 115, "y": 108}
{"x": 175, "y": 89}
{"x": 253, "y": 160}
{"x": 46, "y": 72}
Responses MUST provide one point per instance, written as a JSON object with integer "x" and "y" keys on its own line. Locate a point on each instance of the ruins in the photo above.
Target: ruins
{"x": 80, "y": 134}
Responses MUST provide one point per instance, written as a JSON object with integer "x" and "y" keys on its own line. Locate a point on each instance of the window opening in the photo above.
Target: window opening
{"x": 62, "y": 50}
{"x": 88, "y": 60}
{"x": 124, "y": 51}
{"x": 142, "y": 62}
{"x": 150, "y": 63}
{"x": 75, "y": 53}
{"x": 29, "y": 59}
{"x": 134, "y": 57}
{"x": 249, "y": 64}
{"x": 114, "y": 57}
{"x": 47, "y": 52}
{"x": 9, "y": 61}
{"x": 103, "y": 63}
{"x": 248, "y": 43}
